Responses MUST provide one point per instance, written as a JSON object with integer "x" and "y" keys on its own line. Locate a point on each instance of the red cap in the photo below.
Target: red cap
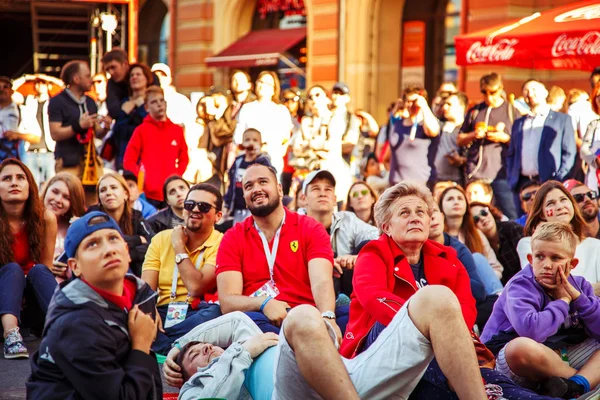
{"x": 571, "y": 184}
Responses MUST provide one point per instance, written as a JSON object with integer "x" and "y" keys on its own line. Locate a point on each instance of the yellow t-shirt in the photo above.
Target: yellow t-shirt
{"x": 161, "y": 257}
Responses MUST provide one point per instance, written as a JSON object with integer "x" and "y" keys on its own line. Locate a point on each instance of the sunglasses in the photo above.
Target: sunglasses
{"x": 528, "y": 196}
{"x": 483, "y": 213}
{"x": 581, "y": 196}
{"x": 291, "y": 99}
{"x": 203, "y": 207}
{"x": 363, "y": 192}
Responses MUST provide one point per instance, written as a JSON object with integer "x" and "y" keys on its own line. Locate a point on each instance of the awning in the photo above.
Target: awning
{"x": 258, "y": 48}
{"x": 566, "y": 37}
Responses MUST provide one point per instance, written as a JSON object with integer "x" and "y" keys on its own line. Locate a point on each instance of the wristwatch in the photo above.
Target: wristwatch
{"x": 180, "y": 257}
{"x": 328, "y": 315}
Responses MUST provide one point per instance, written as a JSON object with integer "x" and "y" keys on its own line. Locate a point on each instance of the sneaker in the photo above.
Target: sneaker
{"x": 562, "y": 388}
{"x": 14, "y": 346}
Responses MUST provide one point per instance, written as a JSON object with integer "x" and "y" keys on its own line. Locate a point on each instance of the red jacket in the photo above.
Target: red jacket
{"x": 384, "y": 281}
{"x": 161, "y": 148}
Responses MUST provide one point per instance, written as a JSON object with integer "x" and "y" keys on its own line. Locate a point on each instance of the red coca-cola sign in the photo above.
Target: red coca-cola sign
{"x": 567, "y": 37}
{"x": 588, "y": 44}
{"x": 502, "y": 50}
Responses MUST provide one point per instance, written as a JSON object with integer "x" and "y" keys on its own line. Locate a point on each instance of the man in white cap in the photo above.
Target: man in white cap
{"x": 179, "y": 110}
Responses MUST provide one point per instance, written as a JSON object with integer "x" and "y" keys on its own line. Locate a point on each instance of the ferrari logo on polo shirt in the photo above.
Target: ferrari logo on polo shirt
{"x": 294, "y": 246}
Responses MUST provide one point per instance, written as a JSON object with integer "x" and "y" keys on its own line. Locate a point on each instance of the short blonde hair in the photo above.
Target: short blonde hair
{"x": 556, "y": 232}
{"x": 153, "y": 91}
{"x": 387, "y": 203}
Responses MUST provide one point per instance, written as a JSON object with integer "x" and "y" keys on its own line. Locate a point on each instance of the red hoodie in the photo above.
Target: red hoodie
{"x": 161, "y": 148}
{"x": 383, "y": 281}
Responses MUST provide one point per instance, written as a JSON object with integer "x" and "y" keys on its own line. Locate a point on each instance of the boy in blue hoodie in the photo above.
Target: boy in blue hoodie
{"x": 99, "y": 326}
{"x": 545, "y": 326}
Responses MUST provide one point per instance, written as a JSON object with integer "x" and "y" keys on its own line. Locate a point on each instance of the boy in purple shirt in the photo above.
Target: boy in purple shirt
{"x": 545, "y": 326}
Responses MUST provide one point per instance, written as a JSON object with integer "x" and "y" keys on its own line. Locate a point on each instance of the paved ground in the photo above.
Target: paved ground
{"x": 14, "y": 374}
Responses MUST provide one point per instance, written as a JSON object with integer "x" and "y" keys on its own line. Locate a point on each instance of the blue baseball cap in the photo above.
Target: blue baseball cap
{"x": 84, "y": 227}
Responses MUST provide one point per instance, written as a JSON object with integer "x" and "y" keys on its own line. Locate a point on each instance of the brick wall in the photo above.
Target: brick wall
{"x": 193, "y": 43}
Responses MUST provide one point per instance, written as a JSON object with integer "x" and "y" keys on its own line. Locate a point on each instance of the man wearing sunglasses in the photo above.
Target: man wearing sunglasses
{"x": 486, "y": 134}
{"x": 180, "y": 264}
{"x": 587, "y": 201}
{"x": 526, "y": 196}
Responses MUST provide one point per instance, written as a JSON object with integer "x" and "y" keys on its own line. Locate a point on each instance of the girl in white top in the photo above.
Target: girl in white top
{"x": 271, "y": 119}
{"x": 554, "y": 203}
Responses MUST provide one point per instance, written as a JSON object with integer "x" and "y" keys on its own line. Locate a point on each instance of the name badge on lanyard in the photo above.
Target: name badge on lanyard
{"x": 177, "y": 310}
{"x": 269, "y": 288}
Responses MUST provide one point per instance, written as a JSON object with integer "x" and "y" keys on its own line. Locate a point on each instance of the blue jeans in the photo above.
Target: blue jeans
{"x": 342, "y": 314}
{"x": 504, "y": 199}
{"x": 41, "y": 165}
{"x": 490, "y": 281}
{"x": 13, "y": 283}
{"x": 434, "y": 385}
{"x": 204, "y": 313}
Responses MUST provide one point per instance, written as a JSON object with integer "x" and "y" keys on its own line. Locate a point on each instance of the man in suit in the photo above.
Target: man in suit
{"x": 543, "y": 143}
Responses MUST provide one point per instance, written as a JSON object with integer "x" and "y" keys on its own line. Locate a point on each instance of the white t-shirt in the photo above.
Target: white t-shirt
{"x": 273, "y": 121}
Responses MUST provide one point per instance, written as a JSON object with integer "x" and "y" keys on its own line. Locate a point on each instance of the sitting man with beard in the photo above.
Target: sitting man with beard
{"x": 180, "y": 264}
{"x": 275, "y": 259}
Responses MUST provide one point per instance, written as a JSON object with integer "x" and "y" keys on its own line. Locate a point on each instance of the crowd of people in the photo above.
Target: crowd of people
{"x": 270, "y": 245}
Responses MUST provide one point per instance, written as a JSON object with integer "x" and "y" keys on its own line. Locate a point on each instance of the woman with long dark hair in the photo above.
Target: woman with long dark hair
{"x": 502, "y": 235}
{"x": 115, "y": 200}
{"x": 132, "y": 111}
{"x": 554, "y": 203}
{"x": 27, "y": 237}
{"x": 459, "y": 224}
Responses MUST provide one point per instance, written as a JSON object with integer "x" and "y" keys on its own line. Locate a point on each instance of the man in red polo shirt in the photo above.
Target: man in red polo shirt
{"x": 276, "y": 259}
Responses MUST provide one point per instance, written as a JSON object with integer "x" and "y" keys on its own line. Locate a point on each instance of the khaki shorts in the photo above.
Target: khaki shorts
{"x": 389, "y": 369}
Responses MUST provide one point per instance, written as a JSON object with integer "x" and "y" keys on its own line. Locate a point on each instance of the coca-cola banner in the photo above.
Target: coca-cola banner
{"x": 567, "y": 37}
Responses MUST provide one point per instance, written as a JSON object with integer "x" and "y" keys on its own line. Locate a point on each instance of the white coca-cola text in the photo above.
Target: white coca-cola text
{"x": 503, "y": 50}
{"x": 588, "y": 44}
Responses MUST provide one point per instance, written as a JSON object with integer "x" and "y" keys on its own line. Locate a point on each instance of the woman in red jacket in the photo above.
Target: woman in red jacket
{"x": 402, "y": 265}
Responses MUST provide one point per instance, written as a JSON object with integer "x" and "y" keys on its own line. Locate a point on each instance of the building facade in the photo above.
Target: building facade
{"x": 376, "y": 46}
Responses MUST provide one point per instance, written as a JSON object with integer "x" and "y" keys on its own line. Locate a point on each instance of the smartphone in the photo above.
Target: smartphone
{"x": 62, "y": 258}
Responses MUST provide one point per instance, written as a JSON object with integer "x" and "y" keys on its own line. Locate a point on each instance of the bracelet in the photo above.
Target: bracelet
{"x": 177, "y": 345}
{"x": 264, "y": 303}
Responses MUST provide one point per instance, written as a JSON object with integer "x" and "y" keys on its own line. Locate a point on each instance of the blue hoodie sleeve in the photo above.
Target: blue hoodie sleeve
{"x": 526, "y": 313}
{"x": 587, "y": 306}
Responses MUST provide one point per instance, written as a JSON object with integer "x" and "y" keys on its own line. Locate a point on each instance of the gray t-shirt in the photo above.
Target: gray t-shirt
{"x": 486, "y": 159}
{"x": 445, "y": 171}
